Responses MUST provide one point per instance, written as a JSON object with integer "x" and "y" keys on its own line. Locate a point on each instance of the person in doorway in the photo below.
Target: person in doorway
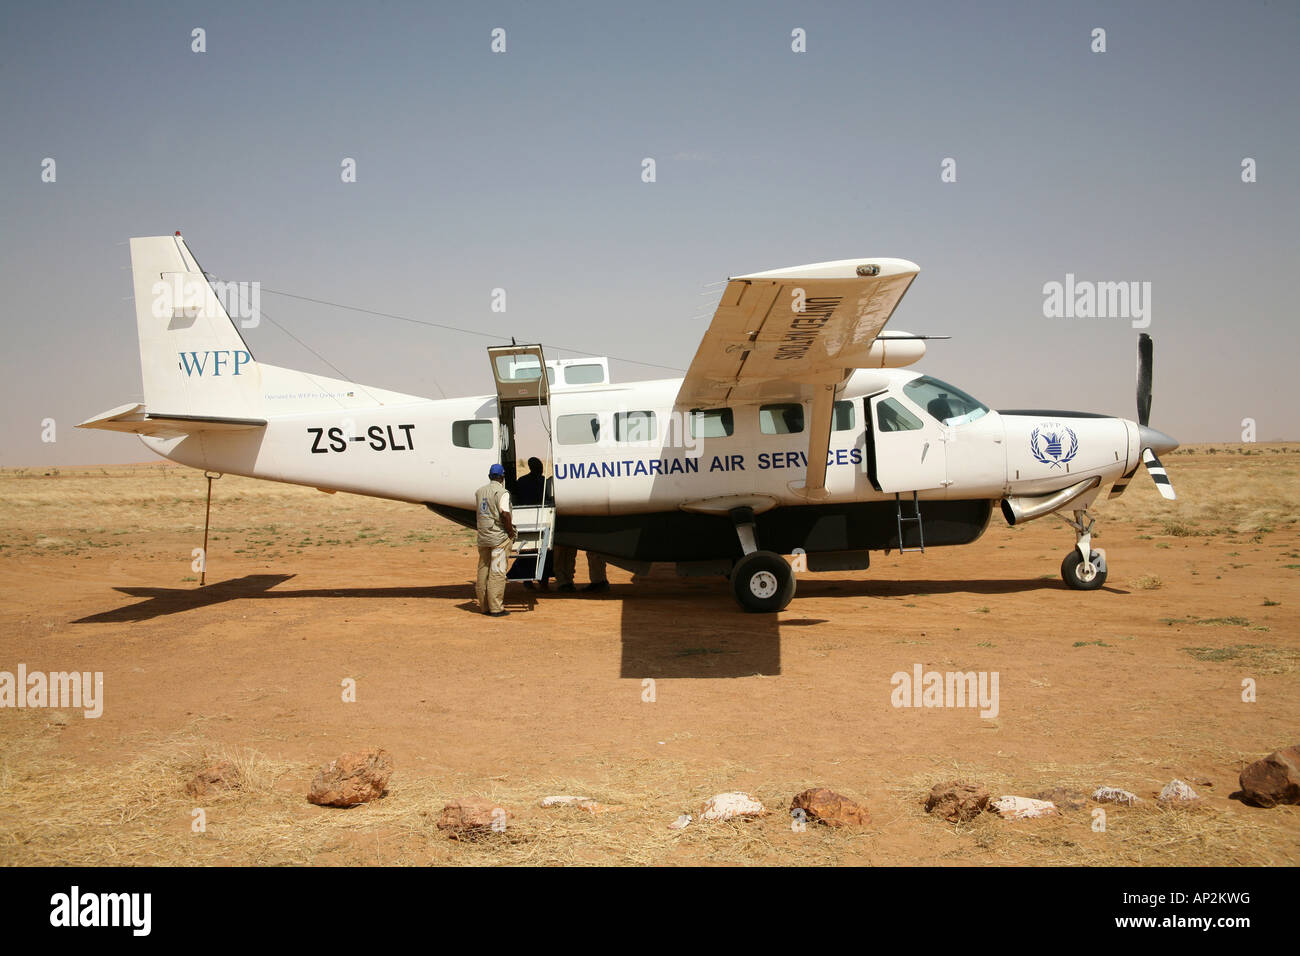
{"x": 496, "y": 531}
{"x": 530, "y": 490}
{"x": 566, "y": 560}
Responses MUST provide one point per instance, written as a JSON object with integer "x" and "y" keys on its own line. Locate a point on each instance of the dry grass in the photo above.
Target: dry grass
{"x": 1222, "y": 490}
{"x": 1145, "y": 835}
{"x": 1258, "y": 658}
{"x": 76, "y": 512}
{"x": 137, "y": 813}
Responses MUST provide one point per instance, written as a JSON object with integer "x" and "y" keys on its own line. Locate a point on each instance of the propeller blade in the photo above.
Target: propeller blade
{"x": 1158, "y": 474}
{"x": 1122, "y": 482}
{"x": 1144, "y": 379}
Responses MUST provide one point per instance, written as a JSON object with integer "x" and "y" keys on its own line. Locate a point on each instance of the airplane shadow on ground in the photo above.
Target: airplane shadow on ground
{"x": 159, "y": 602}
{"x": 828, "y": 587}
{"x": 670, "y": 632}
{"x": 669, "y": 628}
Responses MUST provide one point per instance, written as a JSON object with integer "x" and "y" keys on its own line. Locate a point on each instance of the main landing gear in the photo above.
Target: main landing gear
{"x": 762, "y": 581}
{"x": 1083, "y": 569}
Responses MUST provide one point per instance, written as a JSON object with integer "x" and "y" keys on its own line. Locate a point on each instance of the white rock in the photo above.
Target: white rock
{"x": 1176, "y": 791}
{"x": 1116, "y": 795}
{"x": 564, "y": 801}
{"x": 681, "y": 823}
{"x": 1023, "y": 808}
{"x": 726, "y": 806}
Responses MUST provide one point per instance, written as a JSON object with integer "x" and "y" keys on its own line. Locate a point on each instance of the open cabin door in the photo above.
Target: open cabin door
{"x": 524, "y": 415}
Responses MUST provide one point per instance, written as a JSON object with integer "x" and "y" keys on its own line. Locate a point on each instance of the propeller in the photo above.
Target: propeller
{"x": 1145, "y": 355}
{"x": 1150, "y": 440}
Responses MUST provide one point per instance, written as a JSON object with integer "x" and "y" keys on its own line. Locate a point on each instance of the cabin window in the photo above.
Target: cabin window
{"x": 583, "y": 429}
{"x": 945, "y": 402}
{"x": 475, "y": 433}
{"x": 583, "y": 375}
{"x": 511, "y": 369}
{"x": 712, "y": 422}
{"x": 634, "y": 426}
{"x": 842, "y": 417}
{"x": 893, "y": 417}
{"x": 780, "y": 419}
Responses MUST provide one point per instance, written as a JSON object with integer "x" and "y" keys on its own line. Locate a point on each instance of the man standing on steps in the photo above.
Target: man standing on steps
{"x": 495, "y": 533}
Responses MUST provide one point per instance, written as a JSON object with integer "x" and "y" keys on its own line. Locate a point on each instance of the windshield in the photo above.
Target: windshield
{"x": 950, "y": 405}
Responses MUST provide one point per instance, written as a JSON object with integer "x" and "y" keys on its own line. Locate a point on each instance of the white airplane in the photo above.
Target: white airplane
{"x": 796, "y": 431}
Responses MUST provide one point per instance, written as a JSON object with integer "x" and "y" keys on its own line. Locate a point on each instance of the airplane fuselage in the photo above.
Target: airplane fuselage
{"x": 636, "y": 478}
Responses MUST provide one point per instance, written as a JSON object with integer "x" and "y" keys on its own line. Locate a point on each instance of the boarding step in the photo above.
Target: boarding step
{"x": 534, "y": 527}
{"x": 914, "y": 517}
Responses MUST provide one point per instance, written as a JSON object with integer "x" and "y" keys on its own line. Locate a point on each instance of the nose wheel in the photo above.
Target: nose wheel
{"x": 1083, "y": 569}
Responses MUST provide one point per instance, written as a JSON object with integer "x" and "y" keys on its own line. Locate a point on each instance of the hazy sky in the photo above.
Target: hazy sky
{"x": 523, "y": 170}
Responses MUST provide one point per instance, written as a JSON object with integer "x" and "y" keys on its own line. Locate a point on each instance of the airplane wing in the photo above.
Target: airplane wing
{"x": 134, "y": 418}
{"x": 796, "y": 335}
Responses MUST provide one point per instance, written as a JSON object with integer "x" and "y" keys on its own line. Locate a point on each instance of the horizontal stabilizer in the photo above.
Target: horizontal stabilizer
{"x": 134, "y": 418}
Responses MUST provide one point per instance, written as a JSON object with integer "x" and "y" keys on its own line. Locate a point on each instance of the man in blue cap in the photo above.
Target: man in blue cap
{"x": 495, "y": 532}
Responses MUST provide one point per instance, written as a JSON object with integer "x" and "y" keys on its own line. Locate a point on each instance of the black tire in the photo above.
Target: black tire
{"x": 762, "y": 582}
{"x": 1070, "y": 572}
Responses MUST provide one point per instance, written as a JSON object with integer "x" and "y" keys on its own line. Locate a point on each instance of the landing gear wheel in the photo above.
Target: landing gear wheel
{"x": 1074, "y": 575}
{"x": 762, "y": 581}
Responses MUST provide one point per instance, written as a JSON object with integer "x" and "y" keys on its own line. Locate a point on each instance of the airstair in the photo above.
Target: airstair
{"x": 534, "y": 526}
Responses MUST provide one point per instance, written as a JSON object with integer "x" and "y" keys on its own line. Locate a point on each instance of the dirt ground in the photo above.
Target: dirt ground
{"x": 1130, "y": 686}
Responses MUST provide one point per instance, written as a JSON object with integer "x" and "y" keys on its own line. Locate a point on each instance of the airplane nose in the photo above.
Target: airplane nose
{"x": 1157, "y": 441}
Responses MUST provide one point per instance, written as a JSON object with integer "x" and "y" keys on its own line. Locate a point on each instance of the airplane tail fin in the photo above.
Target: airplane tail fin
{"x": 193, "y": 359}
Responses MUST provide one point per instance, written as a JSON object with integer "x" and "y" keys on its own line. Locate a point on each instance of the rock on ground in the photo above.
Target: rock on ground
{"x": 831, "y": 808}
{"x": 353, "y": 778}
{"x": 565, "y": 800}
{"x": 1023, "y": 808}
{"x": 727, "y": 806}
{"x": 473, "y": 817}
{"x": 1175, "y": 791}
{"x": 1273, "y": 780}
{"x": 1116, "y": 795}
{"x": 957, "y": 801}
{"x": 223, "y": 775}
{"x": 1063, "y": 798}
{"x": 585, "y": 804}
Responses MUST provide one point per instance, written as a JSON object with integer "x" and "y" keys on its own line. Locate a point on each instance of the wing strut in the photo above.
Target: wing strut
{"x": 819, "y": 438}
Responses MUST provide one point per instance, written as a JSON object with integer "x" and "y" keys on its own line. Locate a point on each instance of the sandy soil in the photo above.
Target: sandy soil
{"x": 1129, "y": 686}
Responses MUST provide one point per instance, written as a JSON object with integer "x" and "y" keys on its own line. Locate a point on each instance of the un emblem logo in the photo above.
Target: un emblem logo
{"x": 1049, "y": 441}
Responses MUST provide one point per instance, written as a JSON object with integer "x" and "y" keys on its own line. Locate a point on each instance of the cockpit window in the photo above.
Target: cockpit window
{"x": 948, "y": 404}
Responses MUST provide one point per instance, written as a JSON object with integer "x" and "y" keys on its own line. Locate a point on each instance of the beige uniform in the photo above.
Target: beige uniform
{"x": 566, "y": 562}
{"x": 493, "y": 546}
